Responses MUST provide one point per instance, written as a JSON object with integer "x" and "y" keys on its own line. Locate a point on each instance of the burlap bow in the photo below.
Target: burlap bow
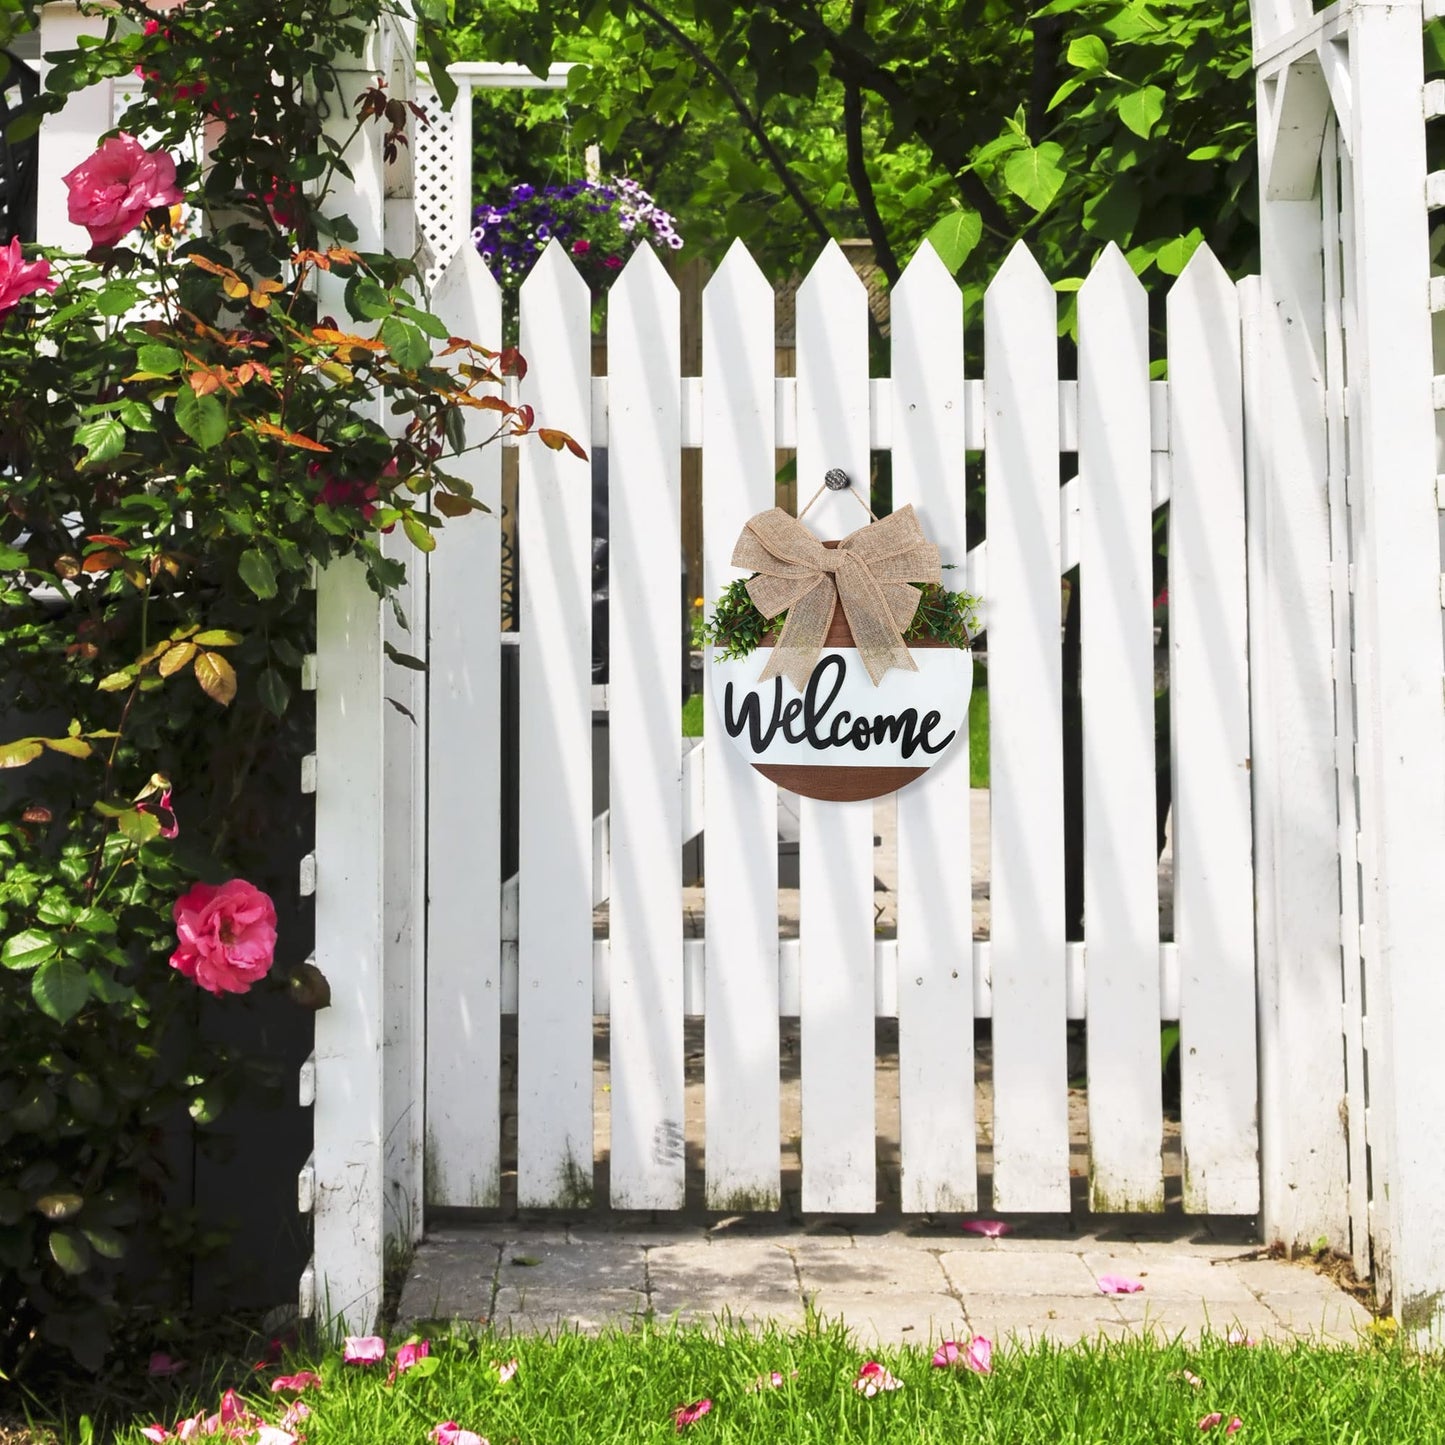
{"x": 868, "y": 572}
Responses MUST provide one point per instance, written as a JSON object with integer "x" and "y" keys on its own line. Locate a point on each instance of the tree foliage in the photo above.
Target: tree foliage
{"x": 977, "y": 122}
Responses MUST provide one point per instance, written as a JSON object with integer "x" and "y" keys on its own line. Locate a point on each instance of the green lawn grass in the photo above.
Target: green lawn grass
{"x": 692, "y": 726}
{"x": 624, "y": 1387}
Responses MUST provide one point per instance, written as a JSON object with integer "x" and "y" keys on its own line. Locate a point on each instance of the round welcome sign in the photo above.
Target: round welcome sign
{"x": 834, "y": 703}
{"x": 843, "y": 738}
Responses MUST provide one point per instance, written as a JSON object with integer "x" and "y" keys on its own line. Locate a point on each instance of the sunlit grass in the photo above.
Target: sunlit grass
{"x": 625, "y": 1387}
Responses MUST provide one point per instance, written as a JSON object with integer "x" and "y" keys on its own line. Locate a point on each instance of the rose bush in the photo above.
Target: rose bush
{"x": 190, "y": 424}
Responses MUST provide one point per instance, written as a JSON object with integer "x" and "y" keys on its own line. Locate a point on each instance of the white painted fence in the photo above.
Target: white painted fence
{"x": 836, "y": 976}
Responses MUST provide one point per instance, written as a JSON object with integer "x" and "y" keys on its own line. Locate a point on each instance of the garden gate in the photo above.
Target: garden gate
{"x": 1339, "y": 748}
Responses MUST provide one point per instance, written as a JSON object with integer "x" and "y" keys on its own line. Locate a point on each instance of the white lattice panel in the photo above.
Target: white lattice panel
{"x": 438, "y": 204}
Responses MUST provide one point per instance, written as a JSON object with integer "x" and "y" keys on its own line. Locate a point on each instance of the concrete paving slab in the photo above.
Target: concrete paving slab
{"x": 1337, "y": 1317}
{"x": 997, "y": 1272}
{"x": 536, "y": 1312}
{"x": 888, "y": 1318}
{"x": 1173, "y": 1276}
{"x": 745, "y": 1278}
{"x": 868, "y": 1270}
{"x": 1065, "y": 1319}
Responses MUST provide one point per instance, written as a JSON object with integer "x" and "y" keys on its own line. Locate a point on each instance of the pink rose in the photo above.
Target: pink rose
{"x": 227, "y": 935}
{"x": 111, "y": 191}
{"x": 20, "y": 278}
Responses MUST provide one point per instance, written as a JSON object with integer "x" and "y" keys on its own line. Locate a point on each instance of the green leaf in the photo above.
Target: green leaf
{"x": 20, "y": 752}
{"x": 217, "y": 636}
{"x": 1087, "y": 52}
{"x": 1065, "y": 91}
{"x": 102, "y": 439}
{"x": 404, "y": 659}
{"x": 432, "y": 35}
{"x": 427, "y": 1365}
{"x": 71, "y": 747}
{"x": 162, "y": 360}
{"x": 12, "y": 559}
{"x": 434, "y": 326}
{"x": 60, "y": 1207}
{"x": 272, "y": 690}
{"x": 408, "y": 346}
{"x": 28, "y": 949}
{"x": 417, "y": 531}
{"x": 110, "y": 1244}
{"x": 69, "y": 1250}
{"x": 955, "y": 236}
{"x": 95, "y": 920}
{"x": 1034, "y": 174}
{"x": 60, "y": 988}
{"x": 139, "y": 827}
{"x": 1140, "y": 109}
{"x": 117, "y": 297}
{"x": 1174, "y": 255}
{"x": 202, "y": 418}
{"x": 367, "y": 300}
{"x": 257, "y": 573}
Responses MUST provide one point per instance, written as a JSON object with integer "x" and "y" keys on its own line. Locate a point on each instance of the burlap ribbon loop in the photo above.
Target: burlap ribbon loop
{"x": 869, "y": 572}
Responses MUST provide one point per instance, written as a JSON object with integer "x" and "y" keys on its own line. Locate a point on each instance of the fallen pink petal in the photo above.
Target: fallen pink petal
{"x": 773, "y": 1380}
{"x": 450, "y": 1433}
{"x": 946, "y": 1355}
{"x": 1118, "y": 1284}
{"x": 1211, "y": 1420}
{"x": 979, "y": 1355}
{"x": 1235, "y": 1423}
{"x": 158, "y": 1433}
{"x": 505, "y": 1371}
{"x": 873, "y": 1379}
{"x": 988, "y": 1228}
{"x": 303, "y": 1380}
{"x": 1190, "y": 1378}
{"x": 274, "y": 1435}
{"x": 232, "y": 1409}
{"x": 686, "y": 1415}
{"x": 296, "y": 1412}
{"x": 363, "y": 1349}
{"x": 162, "y": 1364}
{"x": 1237, "y": 1336}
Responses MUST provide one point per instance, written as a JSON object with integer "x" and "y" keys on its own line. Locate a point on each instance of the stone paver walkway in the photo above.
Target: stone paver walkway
{"x": 899, "y": 1286}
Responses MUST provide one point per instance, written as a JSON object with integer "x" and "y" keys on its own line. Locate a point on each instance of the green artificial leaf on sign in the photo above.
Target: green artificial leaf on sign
{"x": 69, "y": 1250}
{"x": 257, "y": 573}
{"x": 1087, "y": 52}
{"x": 102, "y": 439}
{"x": 28, "y": 949}
{"x": 955, "y": 236}
{"x": 1034, "y": 174}
{"x": 202, "y": 418}
{"x": 60, "y": 988}
{"x": 409, "y": 348}
{"x": 1140, "y": 109}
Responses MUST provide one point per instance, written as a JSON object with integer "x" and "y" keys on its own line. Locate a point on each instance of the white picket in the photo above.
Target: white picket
{"x": 348, "y": 1220}
{"x": 740, "y": 1066}
{"x": 554, "y": 849}
{"x": 1030, "y": 1130}
{"x": 835, "y": 844}
{"x": 935, "y": 898}
{"x": 1209, "y": 712}
{"x": 464, "y": 978}
{"x": 1121, "y": 887}
{"x": 644, "y": 463}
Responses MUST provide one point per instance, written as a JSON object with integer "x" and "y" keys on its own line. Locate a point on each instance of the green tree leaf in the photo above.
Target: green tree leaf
{"x": 1034, "y": 174}
{"x": 1174, "y": 255}
{"x": 202, "y": 418}
{"x": 60, "y": 988}
{"x": 418, "y": 532}
{"x": 1140, "y": 109}
{"x": 28, "y": 949}
{"x": 409, "y": 348}
{"x": 272, "y": 690}
{"x": 257, "y": 573}
{"x": 1088, "y": 52}
{"x": 69, "y": 1250}
{"x": 102, "y": 439}
{"x": 955, "y": 236}
{"x": 161, "y": 360}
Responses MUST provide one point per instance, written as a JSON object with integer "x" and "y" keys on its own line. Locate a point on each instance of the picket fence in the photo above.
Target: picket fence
{"x": 1140, "y": 444}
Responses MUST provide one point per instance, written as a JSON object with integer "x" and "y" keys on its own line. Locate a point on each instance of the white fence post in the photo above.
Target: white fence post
{"x": 1402, "y": 737}
{"x": 1292, "y": 741}
{"x": 349, "y": 1154}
